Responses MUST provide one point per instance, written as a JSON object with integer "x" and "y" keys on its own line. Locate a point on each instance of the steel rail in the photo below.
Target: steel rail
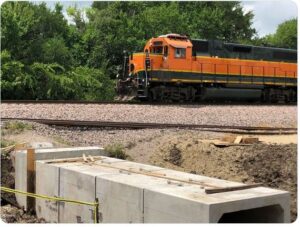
{"x": 133, "y": 102}
{"x": 66, "y": 102}
{"x": 140, "y": 125}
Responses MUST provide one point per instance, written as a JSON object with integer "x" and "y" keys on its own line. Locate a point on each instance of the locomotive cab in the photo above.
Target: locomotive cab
{"x": 163, "y": 52}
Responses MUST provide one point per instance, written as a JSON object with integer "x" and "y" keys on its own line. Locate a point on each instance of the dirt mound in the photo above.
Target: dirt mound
{"x": 11, "y": 214}
{"x": 7, "y": 178}
{"x": 272, "y": 165}
{"x": 174, "y": 156}
{"x": 276, "y": 167}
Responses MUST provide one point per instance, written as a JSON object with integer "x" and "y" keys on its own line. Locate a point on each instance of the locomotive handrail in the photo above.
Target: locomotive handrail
{"x": 277, "y": 72}
{"x": 214, "y": 67}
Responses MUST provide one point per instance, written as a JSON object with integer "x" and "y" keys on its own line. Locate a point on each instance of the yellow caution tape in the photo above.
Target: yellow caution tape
{"x": 94, "y": 204}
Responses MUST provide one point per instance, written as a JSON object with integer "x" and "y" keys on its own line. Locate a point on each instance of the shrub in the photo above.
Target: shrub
{"x": 116, "y": 151}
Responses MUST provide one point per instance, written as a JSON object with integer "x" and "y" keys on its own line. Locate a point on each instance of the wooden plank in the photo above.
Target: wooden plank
{"x": 224, "y": 144}
{"x": 21, "y": 146}
{"x": 69, "y": 160}
{"x": 234, "y": 188}
{"x": 238, "y": 140}
{"x": 30, "y": 178}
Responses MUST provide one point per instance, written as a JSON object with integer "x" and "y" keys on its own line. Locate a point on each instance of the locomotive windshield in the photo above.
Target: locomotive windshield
{"x": 156, "y": 50}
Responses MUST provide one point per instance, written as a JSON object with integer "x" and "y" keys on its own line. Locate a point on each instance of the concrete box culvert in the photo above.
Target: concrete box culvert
{"x": 129, "y": 194}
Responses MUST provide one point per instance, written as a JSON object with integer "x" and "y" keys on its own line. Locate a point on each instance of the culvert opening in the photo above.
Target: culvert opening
{"x": 268, "y": 214}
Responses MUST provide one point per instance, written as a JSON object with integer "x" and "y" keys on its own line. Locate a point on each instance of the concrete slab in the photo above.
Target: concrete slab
{"x": 43, "y": 154}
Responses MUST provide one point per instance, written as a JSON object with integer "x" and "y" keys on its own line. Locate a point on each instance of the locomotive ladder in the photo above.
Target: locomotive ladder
{"x": 143, "y": 82}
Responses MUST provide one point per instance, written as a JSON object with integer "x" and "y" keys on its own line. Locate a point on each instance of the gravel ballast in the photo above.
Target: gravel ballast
{"x": 252, "y": 115}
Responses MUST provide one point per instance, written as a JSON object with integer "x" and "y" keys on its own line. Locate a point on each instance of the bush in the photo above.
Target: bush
{"x": 92, "y": 84}
{"x": 116, "y": 151}
{"x": 52, "y": 81}
{"x": 17, "y": 127}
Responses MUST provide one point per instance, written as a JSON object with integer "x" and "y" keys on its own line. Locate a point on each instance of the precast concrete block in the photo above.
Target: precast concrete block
{"x": 160, "y": 206}
{"x": 78, "y": 182}
{"x": 122, "y": 196}
{"x": 47, "y": 183}
{"x": 44, "y": 154}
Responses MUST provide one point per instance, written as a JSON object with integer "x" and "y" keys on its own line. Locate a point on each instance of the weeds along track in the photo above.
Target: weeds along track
{"x": 139, "y": 125}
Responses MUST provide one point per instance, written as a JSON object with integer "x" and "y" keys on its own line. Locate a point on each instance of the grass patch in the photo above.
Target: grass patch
{"x": 116, "y": 151}
{"x": 130, "y": 145}
{"x": 60, "y": 140}
{"x": 6, "y": 143}
{"x": 16, "y": 127}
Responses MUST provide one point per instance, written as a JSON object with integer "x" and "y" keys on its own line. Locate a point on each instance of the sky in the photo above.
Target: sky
{"x": 268, "y": 14}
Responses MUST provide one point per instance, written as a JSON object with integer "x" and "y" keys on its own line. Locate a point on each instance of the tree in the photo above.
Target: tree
{"x": 45, "y": 57}
{"x": 285, "y": 35}
{"x": 117, "y": 26}
{"x": 15, "y": 82}
{"x": 27, "y": 26}
{"x": 218, "y": 20}
{"x": 54, "y": 50}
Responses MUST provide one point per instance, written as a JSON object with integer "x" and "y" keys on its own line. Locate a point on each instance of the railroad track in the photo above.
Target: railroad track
{"x": 139, "y": 125}
{"x": 132, "y": 102}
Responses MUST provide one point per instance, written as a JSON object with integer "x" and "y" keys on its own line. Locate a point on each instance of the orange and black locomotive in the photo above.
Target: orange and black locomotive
{"x": 174, "y": 67}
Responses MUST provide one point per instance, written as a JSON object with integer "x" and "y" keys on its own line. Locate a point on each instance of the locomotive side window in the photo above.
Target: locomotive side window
{"x": 166, "y": 51}
{"x": 180, "y": 53}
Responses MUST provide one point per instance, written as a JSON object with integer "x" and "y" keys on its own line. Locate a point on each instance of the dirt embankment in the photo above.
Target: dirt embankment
{"x": 272, "y": 165}
{"x": 184, "y": 150}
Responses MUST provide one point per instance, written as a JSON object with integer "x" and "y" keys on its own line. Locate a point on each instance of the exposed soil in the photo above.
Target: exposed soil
{"x": 7, "y": 178}
{"x": 11, "y": 214}
{"x": 272, "y": 163}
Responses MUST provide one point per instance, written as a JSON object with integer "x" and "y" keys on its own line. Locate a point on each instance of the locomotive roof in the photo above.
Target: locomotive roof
{"x": 172, "y": 41}
{"x": 180, "y": 38}
{"x": 247, "y": 45}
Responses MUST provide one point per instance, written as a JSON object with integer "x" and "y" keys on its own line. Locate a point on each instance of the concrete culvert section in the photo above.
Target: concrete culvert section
{"x": 131, "y": 192}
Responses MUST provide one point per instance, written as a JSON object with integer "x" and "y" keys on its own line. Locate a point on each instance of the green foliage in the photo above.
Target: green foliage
{"x": 16, "y": 127}
{"x": 77, "y": 17}
{"x": 285, "y": 36}
{"x": 92, "y": 84}
{"x": 26, "y": 26}
{"x": 116, "y": 151}
{"x": 6, "y": 143}
{"x": 45, "y": 57}
{"x": 51, "y": 83}
{"x": 15, "y": 82}
{"x": 54, "y": 50}
{"x": 117, "y": 26}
